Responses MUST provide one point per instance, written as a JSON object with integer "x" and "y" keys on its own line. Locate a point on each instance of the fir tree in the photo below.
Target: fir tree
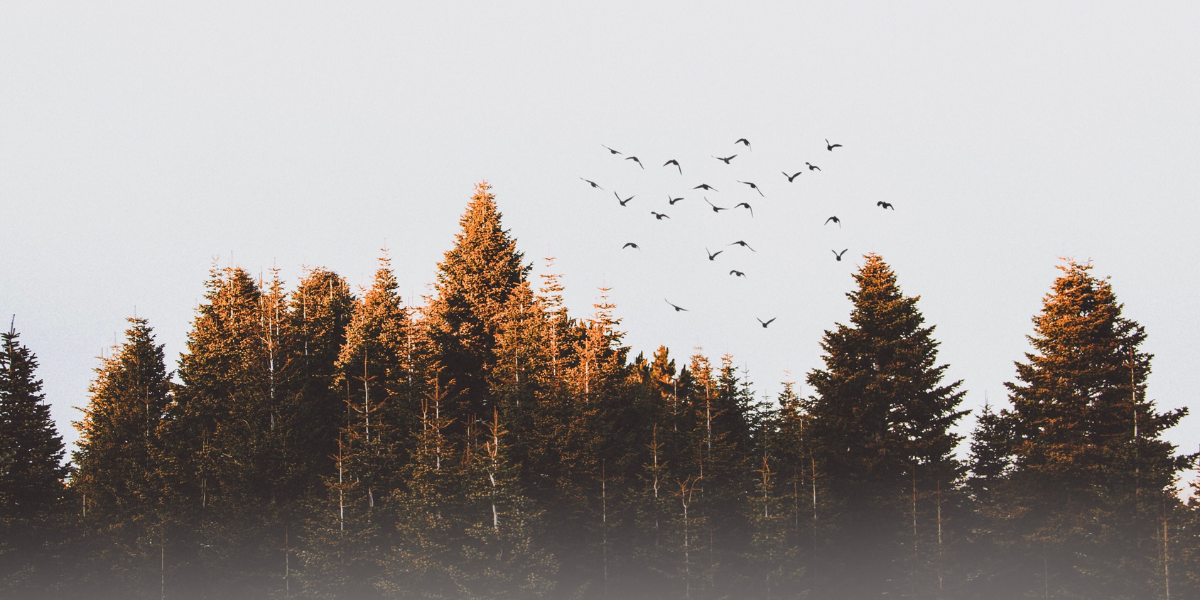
{"x": 881, "y": 421}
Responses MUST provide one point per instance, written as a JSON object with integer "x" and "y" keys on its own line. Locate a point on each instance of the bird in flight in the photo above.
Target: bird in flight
{"x": 765, "y": 323}
{"x": 705, "y": 186}
{"x": 623, "y": 202}
{"x": 884, "y": 205}
{"x": 791, "y": 177}
{"x": 635, "y": 159}
{"x": 676, "y": 163}
{"x": 743, "y": 244}
{"x": 838, "y": 255}
{"x": 834, "y": 219}
{"x": 753, "y": 187}
{"x": 831, "y": 146}
{"x": 659, "y": 216}
{"x": 715, "y": 208}
{"x": 592, "y": 183}
{"x": 610, "y": 149}
{"x": 726, "y": 159}
{"x": 677, "y": 308}
{"x": 713, "y": 255}
{"x": 743, "y": 141}
{"x": 811, "y": 167}
{"x": 737, "y": 272}
{"x": 631, "y": 245}
{"x": 672, "y": 201}
{"x": 747, "y": 205}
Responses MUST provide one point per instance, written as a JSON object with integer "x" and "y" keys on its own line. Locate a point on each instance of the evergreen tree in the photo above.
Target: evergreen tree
{"x": 31, "y": 489}
{"x": 881, "y": 421}
{"x": 120, "y": 463}
{"x": 474, "y": 282}
{"x": 1090, "y": 468}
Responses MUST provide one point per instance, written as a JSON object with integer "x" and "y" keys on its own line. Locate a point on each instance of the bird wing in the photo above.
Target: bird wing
{"x": 771, "y": 321}
{"x": 830, "y": 219}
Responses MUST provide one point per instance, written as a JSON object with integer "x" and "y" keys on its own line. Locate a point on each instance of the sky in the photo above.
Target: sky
{"x": 143, "y": 142}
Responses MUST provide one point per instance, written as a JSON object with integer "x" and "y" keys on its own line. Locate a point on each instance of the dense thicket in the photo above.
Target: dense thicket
{"x": 491, "y": 444}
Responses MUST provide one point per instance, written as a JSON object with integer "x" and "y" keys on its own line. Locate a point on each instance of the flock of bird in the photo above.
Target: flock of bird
{"x": 705, "y": 188}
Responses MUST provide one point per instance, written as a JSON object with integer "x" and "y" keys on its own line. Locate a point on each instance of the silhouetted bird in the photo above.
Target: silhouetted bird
{"x": 885, "y": 205}
{"x": 677, "y": 308}
{"x": 715, "y": 208}
{"x": 743, "y": 244}
{"x": 713, "y": 255}
{"x": 753, "y": 187}
{"x": 610, "y": 149}
{"x": 811, "y": 167}
{"x": 631, "y": 245}
{"x": 737, "y": 272}
{"x": 791, "y": 177}
{"x": 765, "y": 323}
{"x": 672, "y": 201}
{"x": 623, "y": 202}
{"x": 676, "y": 163}
{"x": 838, "y": 255}
{"x": 747, "y": 205}
{"x": 831, "y": 146}
{"x": 835, "y": 220}
{"x": 635, "y": 159}
{"x": 705, "y": 186}
{"x": 592, "y": 183}
{"x": 659, "y": 216}
{"x": 726, "y": 159}
{"x": 744, "y": 141}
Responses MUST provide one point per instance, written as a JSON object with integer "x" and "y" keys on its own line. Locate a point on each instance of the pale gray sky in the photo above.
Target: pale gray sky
{"x": 140, "y": 140}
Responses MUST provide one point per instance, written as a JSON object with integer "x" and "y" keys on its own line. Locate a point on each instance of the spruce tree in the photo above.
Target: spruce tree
{"x": 474, "y": 281}
{"x": 881, "y": 421}
{"x": 1090, "y": 468}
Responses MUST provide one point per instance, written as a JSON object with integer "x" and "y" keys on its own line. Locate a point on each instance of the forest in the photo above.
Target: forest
{"x": 312, "y": 442}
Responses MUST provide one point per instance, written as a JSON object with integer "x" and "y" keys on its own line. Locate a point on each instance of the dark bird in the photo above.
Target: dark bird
{"x": 885, "y": 205}
{"x": 811, "y": 167}
{"x": 834, "y": 219}
{"x": 753, "y": 187}
{"x": 737, "y": 272}
{"x": 592, "y": 183}
{"x": 715, "y": 208}
{"x": 705, "y": 186}
{"x": 743, "y": 244}
{"x": 676, "y": 163}
{"x": 672, "y": 201}
{"x": 634, "y": 159}
{"x": 838, "y": 255}
{"x": 791, "y": 177}
{"x": 677, "y": 308}
{"x": 623, "y": 202}
{"x": 765, "y": 323}
{"x": 610, "y": 149}
{"x": 713, "y": 255}
{"x": 747, "y": 205}
{"x": 744, "y": 141}
{"x": 659, "y": 216}
{"x": 631, "y": 245}
{"x": 726, "y": 159}
{"x": 831, "y": 146}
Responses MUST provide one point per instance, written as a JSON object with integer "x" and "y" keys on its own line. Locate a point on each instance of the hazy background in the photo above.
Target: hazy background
{"x": 138, "y": 141}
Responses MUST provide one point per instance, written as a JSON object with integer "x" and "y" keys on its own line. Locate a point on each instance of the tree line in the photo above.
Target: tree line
{"x": 317, "y": 443}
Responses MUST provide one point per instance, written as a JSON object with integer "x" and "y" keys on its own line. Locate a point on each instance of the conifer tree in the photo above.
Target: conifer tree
{"x": 881, "y": 421}
{"x": 31, "y": 489}
{"x": 473, "y": 284}
{"x": 120, "y": 463}
{"x": 1090, "y": 468}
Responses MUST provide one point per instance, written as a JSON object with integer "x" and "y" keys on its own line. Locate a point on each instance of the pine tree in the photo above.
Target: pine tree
{"x": 31, "y": 489}
{"x": 120, "y": 462}
{"x": 881, "y": 421}
{"x": 1090, "y": 468}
